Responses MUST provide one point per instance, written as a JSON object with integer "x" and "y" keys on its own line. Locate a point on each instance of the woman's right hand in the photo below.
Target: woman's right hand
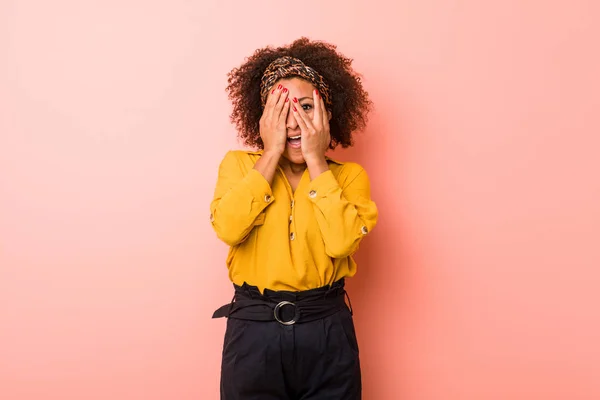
{"x": 273, "y": 130}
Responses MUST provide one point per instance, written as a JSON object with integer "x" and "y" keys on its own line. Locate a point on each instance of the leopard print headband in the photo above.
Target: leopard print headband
{"x": 287, "y": 67}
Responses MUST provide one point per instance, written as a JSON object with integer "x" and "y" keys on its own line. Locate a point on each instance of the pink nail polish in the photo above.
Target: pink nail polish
{"x": 295, "y": 109}
{"x": 284, "y": 90}
{"x": 279, "y": 87}
{"x": 287, "y": 99}
{"x": 295, "y": 100}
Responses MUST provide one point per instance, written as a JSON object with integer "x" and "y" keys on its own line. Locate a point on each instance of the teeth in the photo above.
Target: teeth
{"x": 296, "y": 137}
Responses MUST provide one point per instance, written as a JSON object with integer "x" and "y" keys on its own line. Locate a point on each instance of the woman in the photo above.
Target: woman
{"x": 293, "y": 218}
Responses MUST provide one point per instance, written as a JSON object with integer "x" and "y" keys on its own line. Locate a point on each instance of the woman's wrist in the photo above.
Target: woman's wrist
{"x": 272, "y": 153}
{"x": 267, "y": 164}
{"x": 316, "y": 165}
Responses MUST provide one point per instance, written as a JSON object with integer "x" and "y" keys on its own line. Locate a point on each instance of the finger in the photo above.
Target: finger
{"x": 273, "y": 97}
{"x": 301, "y": 115}
{"x": 324, "y": 118}
{"x": 301, "y": 121}
{"x": 285, "y": 109}
{"x": 280, "y": 103}
{"x": 324, "y": 113}
{"x": 317, "y": 112}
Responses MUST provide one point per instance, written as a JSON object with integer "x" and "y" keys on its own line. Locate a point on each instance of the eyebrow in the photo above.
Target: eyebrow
{"x": 305, "y": 98}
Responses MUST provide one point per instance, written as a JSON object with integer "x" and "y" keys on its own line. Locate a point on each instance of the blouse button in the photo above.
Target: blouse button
{"x": 290, "y": 219}
{"x": 267, "y": 198}
{"x": 212, "y": 218}
{"x": 292, "y": 236}
{"x": 364, "y": 230}
{"x": 292, "y": 203}
{"x": 312, "y": 194}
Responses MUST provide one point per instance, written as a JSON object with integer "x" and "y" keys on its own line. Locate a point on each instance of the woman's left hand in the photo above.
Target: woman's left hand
{"x": 315, "y": 133}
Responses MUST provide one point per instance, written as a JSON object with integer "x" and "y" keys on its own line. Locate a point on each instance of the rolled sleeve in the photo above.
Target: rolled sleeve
{"x": 322, "y": 186}
{"x": 258, "y": 188}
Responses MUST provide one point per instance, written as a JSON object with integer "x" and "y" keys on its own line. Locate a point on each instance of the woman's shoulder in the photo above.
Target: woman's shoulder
{"x": 241, "y": 156}
{"x": 344, "y": 169}
{"x": 345, "y": 165}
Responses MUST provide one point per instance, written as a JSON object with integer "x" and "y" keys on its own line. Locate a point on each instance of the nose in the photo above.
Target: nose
{"x": 291, "y": 122}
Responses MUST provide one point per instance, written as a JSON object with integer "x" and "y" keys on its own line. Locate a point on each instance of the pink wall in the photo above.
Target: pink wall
{"x": 480, "y": 282}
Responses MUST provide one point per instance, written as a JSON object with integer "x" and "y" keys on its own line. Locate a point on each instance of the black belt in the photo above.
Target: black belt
{"x": 271, "y": 309}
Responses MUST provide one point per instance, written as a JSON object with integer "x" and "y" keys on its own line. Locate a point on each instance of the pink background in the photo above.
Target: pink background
{"x": 480, "y": 282}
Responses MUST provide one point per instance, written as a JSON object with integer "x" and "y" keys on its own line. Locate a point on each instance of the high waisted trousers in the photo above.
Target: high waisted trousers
{"x": 283, "y": 345}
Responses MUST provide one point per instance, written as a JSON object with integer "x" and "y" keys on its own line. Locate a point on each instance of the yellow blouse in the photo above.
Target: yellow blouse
{"x": 285, "y": 240}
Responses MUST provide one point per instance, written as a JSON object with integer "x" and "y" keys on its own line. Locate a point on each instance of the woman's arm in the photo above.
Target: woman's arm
{"x": 241, "y": 197}
{"x": 345, "y": 213}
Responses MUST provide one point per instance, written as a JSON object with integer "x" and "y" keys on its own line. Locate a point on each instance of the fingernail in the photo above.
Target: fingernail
{"x": 279, "y": 87}
{"x": 295, "y": 100}
{"x": 287, "y": 99}
{"x": 273, "y": 91}
{"x": 284, "y": 90}
{"x": 317, "y": 93}
{"x": 295, "y": 109}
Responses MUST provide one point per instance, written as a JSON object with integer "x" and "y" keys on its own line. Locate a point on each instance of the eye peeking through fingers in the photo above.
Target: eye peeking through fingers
{"x": 307, "y": 107}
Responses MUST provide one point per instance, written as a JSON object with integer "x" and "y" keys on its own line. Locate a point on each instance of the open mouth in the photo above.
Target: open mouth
{"x": 295, "y": 141}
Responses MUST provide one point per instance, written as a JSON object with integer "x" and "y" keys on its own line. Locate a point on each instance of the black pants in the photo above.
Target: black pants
{"x": 266, "y": 360}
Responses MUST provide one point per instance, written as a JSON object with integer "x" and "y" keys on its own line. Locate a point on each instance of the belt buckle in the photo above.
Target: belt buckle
{"x": 279, "y": 306}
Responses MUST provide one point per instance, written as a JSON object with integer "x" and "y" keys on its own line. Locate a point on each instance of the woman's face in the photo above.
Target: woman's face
{"x": 303, "y": 91}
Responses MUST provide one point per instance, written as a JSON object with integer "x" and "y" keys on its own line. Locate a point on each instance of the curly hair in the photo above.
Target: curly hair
{"x": 350, "y": 102}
